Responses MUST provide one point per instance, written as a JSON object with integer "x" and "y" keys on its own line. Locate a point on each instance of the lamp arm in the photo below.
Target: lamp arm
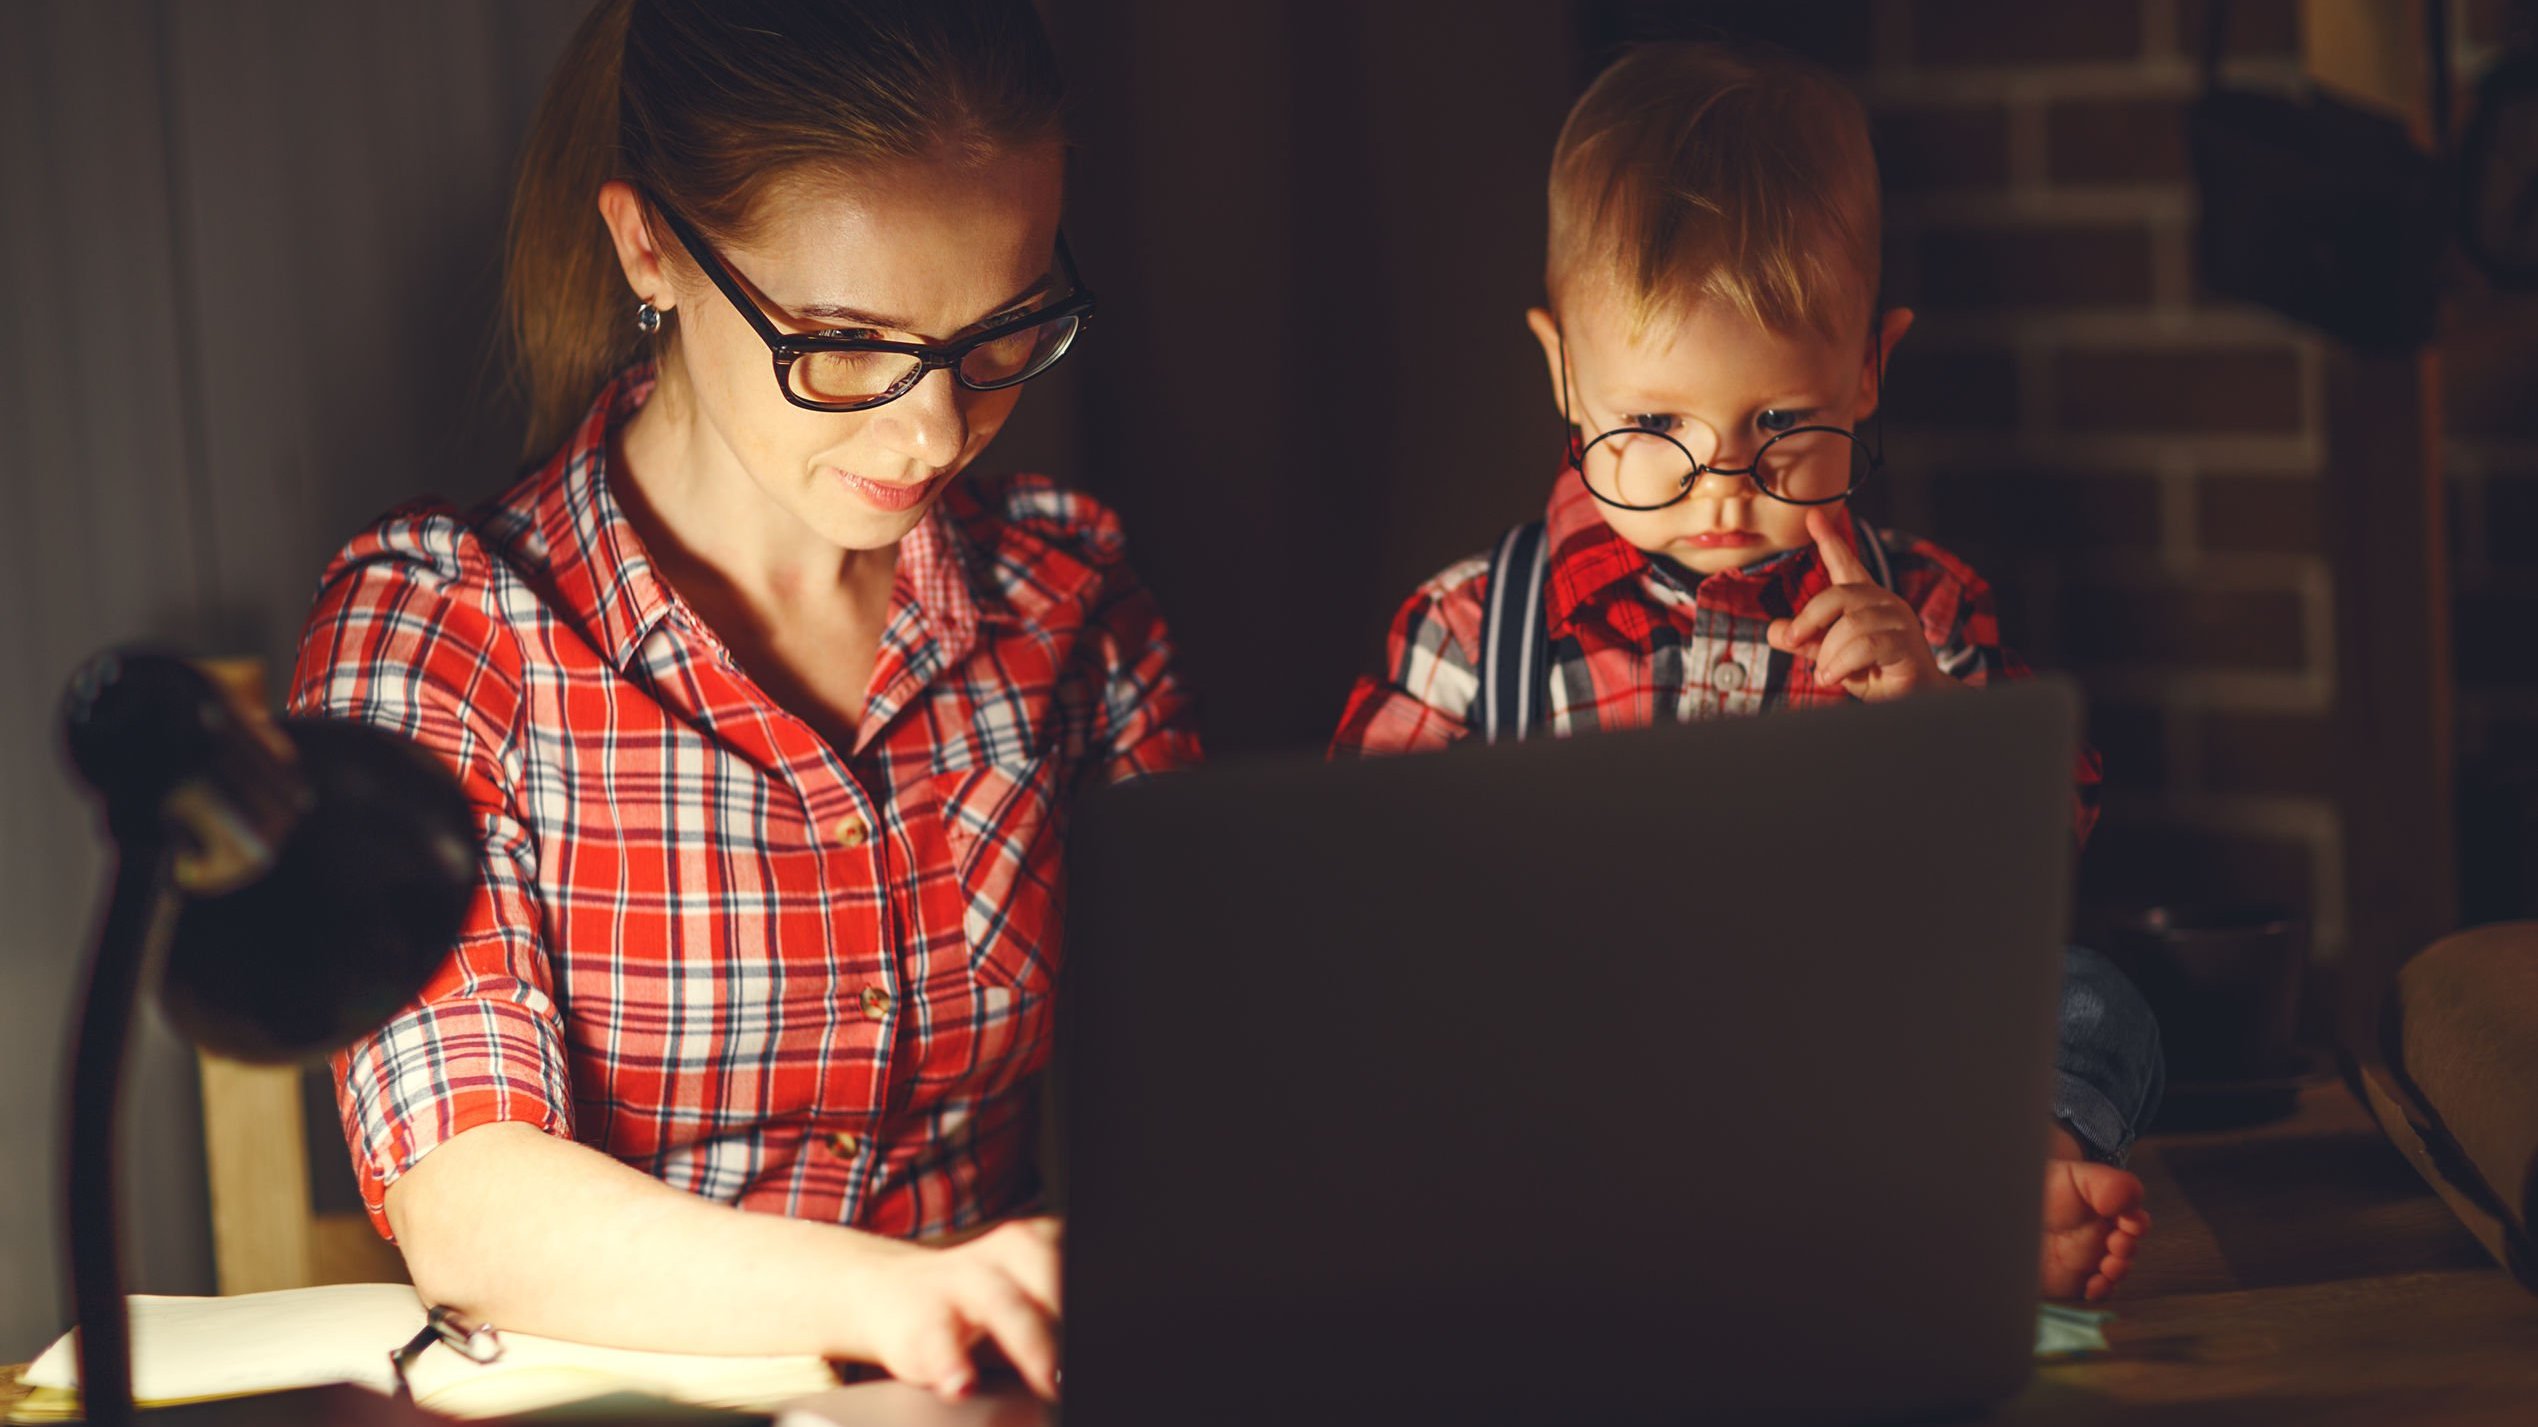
{"x": 140, "y": 913}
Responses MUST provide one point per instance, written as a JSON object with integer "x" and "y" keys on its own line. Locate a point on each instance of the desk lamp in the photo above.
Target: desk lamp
{"x": 286, "y": 887}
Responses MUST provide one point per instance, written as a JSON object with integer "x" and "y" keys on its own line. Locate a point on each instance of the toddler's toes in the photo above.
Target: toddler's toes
{"x": 2072, "y": 1259}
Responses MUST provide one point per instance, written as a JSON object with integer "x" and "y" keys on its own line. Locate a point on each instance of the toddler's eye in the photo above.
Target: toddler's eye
{"x": 1656, "y": 422}
{"x": 1776, "y": 421}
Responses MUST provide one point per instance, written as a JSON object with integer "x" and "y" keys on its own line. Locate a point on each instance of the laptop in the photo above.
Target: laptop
{"x": 1683, "y": 1074}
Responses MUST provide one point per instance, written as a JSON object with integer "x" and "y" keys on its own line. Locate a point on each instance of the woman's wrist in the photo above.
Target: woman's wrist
{"x": 840, "y": 1281}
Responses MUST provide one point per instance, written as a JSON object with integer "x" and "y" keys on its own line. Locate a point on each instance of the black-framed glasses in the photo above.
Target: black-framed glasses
{"x": 832, "y": 371}
{"x": 1634, "y": 468}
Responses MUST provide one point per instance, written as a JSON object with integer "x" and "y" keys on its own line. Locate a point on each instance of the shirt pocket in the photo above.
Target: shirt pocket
{"x": 1002, "y": 820}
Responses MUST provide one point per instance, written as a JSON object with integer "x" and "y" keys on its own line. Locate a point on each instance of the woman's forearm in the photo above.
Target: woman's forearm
{"x": 514, "y": 1227}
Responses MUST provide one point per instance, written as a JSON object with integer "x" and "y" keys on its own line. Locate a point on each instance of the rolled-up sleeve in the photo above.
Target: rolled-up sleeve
{"x": 1423, "y": 698}
{"x": 406, "y": 636}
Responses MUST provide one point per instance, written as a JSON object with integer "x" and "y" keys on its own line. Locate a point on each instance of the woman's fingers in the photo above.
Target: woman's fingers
{"x": 1022, "y": 1330}
{"x": 996, "y": 1294}
{"x": 1028, "y": 1251}
{"x": 937, "y": 1358}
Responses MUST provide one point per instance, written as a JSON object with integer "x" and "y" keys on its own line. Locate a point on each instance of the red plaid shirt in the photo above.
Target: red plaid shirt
{"x": 1631, "y": 643}
{"x": 773, "y": 973}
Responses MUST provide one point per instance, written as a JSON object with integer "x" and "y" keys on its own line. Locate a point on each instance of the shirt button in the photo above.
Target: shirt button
{"x": 851, "y": 832}
{"x": 844, "y": 1144}
{"x": 1727, "y": 677}
{"x": 876, "y": 1002}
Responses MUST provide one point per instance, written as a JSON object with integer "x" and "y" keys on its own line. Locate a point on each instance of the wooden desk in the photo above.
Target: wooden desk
{"x": 2300, "y": 1272}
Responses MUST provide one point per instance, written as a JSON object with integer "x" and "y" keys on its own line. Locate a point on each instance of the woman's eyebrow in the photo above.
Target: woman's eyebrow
{"x": 851, "y": 317}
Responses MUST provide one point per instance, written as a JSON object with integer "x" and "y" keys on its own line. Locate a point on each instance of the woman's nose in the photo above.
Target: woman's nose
{"x": 928, "y": 425}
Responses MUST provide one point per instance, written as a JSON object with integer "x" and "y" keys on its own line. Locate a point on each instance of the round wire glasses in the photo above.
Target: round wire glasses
{"x": 836, "y": 371}
{"x": 1635, "y": 468}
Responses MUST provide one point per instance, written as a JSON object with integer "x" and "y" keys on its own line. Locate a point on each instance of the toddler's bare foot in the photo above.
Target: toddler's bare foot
{"x": 2093, "y": 1220}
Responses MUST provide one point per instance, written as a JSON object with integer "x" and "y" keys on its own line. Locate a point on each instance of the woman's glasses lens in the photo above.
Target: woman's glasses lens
{"x": 847, "y": 378}
{"x": 1018, "y": 356}
{"x": 1648, "y": 470}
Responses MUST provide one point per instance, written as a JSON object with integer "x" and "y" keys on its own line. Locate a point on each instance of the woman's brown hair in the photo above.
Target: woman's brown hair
{"x": 702, "y": 104}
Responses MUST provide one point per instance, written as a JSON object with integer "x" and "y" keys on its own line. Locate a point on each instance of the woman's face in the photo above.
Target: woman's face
{"x": 922, "y": 251}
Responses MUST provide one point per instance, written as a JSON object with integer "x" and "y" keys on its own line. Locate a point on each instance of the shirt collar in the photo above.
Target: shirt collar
{"x": 936, "y": 579}
{"x": 1028, "y": 551}
{"x": 603, "y": 573}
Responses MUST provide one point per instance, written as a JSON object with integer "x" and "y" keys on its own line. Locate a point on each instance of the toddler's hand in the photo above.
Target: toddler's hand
{"x": 1862, "y": 636}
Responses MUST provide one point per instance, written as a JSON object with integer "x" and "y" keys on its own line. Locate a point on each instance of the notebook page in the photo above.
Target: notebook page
{"x": 188, "y": 1348}
{"x": 536, "y": 1372}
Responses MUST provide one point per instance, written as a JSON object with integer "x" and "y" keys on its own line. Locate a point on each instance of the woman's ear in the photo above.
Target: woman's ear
{"x": 621, "y": 209}
{"x": 1892, "y": 324}
{"x": 1546, "y": 330}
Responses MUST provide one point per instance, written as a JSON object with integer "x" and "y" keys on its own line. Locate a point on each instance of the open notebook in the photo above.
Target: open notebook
{"x": 195, "y": 1349}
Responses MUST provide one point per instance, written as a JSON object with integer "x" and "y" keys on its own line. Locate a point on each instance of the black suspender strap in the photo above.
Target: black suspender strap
{"x": 1872, "y": 553}
{"x": 1515, "y": 657}
{"x": 1515, "y": 663}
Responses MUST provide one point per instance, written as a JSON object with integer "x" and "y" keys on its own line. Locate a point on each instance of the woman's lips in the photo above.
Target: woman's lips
{"x": 884, "y": 495}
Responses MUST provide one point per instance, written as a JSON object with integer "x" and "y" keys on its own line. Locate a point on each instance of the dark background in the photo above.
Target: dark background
{"x": 251, "y": 252}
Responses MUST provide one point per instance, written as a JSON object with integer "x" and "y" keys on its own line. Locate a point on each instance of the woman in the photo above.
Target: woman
{"x": 770, "y": 716}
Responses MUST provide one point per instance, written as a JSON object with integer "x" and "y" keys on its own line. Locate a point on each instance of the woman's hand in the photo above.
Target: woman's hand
{"x": 1862, "y": 636}
{"x": 516, "y": 1227}
{"x": 924, "y": 1312}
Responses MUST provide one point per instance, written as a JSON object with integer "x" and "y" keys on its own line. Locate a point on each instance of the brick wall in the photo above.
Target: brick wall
{"x": 2133, "y": 463}
{"x": 2137, "y": 465}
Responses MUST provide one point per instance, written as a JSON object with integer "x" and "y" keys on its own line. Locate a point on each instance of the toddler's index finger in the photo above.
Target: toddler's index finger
{"x": 1841, "y": 565}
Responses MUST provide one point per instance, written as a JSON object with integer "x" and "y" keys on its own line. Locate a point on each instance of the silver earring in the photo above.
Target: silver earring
{"x": 647, "y": 318}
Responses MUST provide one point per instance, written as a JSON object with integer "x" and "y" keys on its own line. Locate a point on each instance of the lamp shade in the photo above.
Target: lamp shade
{"x": 361, "y": 906}
{"x": 325, "y": 871}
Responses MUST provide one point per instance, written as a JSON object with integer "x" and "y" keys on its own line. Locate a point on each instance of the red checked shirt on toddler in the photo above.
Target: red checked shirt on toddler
{"x": 801, "y": 979}
{"x": 1631, "y": 645}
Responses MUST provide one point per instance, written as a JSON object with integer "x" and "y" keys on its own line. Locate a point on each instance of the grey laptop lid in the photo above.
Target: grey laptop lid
{"x": 1695, "y": 1072}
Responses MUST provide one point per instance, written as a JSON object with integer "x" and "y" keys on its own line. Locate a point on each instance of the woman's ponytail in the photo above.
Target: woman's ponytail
{"x": 564, "y": 298}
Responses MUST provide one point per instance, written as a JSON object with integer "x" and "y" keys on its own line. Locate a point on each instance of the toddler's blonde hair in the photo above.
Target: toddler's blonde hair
{"x": 1703, "y": 171}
